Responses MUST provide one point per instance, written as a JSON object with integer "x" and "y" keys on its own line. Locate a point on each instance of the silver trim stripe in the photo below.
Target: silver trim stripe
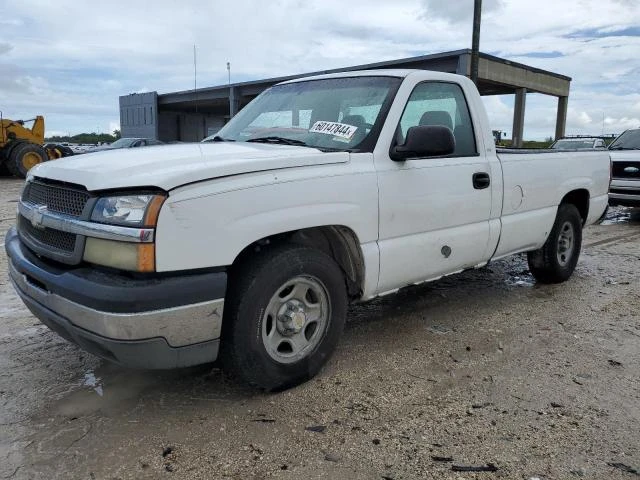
{"x": 42, "y": 218}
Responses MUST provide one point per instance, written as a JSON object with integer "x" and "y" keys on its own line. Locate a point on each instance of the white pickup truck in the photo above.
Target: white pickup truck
{"x": 322, "y": 191}
{"x": 625, "y": 157}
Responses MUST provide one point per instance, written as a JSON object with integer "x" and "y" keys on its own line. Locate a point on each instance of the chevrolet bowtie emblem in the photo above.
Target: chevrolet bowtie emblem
{"x": 37, "y": 216}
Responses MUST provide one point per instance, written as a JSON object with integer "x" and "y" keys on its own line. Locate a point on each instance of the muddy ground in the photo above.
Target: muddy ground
{"x": 541, "y": 381}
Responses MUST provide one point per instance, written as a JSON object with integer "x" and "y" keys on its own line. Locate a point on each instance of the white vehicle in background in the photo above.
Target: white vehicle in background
{"x": 579, "y": 143}
{"x": 128, "y": 143}
{"x": 625, "y": 156}
{"x": 81, "y": 148}
{"x": 322, "y": 191}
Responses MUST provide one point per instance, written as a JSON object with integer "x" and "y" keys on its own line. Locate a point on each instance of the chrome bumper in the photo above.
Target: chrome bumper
{"x": 625, "y": 196}
{"x": 179, "y": 326}
{"x": 155, "y": 321}
{"x": 624, "y": 192}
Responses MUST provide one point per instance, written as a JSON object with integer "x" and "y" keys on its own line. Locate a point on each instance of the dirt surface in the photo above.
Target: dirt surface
{"x": 541, "y": 381}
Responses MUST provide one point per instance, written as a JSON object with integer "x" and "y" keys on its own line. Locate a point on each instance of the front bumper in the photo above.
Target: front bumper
{"x": 158, "y": 322}
{"x": 624, "y": 192}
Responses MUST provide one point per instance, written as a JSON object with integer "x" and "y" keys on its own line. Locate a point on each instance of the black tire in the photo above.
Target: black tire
{"x": 66, "y": 151}
{"x": 253, "y": 287}
{"x": 24, "y": 157}
{"x": 557, "y": 259}
{"x": 4, "y": 171}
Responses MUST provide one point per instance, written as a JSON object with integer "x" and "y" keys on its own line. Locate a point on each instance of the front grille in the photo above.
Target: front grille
{"x": 57, "y": 198}
{"x": 633, "y": 173}
{"x": 63, "y": 242}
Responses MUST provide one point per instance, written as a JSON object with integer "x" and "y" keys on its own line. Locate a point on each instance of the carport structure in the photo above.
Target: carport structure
{"x": 191, "y": 115}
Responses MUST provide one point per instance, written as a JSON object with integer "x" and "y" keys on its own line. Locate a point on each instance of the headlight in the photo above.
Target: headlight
{"x": 128, "y": 210}
{"x": 136, "y": 211}
{"x": 134, "y": 257}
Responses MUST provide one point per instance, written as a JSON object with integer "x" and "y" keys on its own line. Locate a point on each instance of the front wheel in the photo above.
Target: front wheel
{"x": 557, "y": 259}
{"x": 283, "y": 317}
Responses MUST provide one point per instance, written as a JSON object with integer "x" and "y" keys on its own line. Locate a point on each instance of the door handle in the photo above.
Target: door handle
{"x": 481, "y": 180}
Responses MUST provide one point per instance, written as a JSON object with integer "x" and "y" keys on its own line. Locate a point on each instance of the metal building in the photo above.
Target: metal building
{"x": 191, "y": 115}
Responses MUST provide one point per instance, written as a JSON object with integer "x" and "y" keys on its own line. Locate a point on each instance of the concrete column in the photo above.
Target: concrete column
{"x": 463, "y": 64}
{"x": 234, "y": 101}
{"x": 561, "y": 118}
{"x": 518, "y": 117}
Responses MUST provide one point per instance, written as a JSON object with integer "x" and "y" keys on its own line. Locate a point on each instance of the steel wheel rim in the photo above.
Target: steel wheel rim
{"x": 296, "y": 319}
{"x": 566, "y": 243}
{"x": 30, "y": 160}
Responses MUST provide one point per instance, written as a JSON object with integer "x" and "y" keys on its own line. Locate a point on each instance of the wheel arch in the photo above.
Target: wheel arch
{"x": 580, "y": 199}
{"x": 337, "y": 241}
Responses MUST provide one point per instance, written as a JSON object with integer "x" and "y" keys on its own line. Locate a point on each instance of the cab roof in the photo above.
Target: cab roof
{"x": 382, "y": 72}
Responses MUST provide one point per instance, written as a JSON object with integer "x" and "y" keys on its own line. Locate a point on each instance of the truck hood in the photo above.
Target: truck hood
{"x": 625, "y": 155}
{"x": 170, "y": 166}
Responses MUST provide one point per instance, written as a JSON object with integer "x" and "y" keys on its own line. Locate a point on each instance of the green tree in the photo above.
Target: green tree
{"x": 91, "y": 138}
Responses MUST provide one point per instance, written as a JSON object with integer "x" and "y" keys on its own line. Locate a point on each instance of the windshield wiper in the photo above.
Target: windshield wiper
{"x": 280, "y": 140}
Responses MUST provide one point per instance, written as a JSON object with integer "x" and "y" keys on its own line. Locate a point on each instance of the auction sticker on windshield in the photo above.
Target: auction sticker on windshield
{"x": 336, "y": 129}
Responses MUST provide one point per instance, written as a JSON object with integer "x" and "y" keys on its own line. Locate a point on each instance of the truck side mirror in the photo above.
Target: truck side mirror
{"x": 425, "y": 141}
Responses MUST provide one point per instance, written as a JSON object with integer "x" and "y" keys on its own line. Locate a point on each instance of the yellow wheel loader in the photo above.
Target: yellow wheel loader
{"x": 20, "y": 147}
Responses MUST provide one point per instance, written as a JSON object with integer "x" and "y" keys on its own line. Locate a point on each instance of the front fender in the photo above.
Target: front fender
{"x": 209, "y": 225}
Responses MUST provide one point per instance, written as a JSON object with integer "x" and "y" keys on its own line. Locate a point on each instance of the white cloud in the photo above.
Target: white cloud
{"x": 583, "y": 119}
{"x": 75, "y": 74}
{"x": 458, "y": 10}
{"x": 622, "y": 123}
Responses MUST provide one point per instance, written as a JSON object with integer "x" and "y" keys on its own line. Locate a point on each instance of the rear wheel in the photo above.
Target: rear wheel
{"x": 557, "y": 259}
{"x": 283, "y": 318}
{"x": 24, "y": 157}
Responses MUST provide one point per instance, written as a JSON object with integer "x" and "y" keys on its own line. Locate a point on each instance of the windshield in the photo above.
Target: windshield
{"x": 629, "y": 140}
{"x": 572, "y": 144}
{"x": 123, "y": 143}
{"x": 331, "y": 114}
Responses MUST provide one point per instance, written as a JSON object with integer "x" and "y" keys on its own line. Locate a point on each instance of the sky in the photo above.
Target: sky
{"x": 70, "y": 60}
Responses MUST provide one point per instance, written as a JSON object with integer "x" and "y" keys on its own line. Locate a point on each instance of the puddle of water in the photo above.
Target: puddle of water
{"x": 112, "y": 389}
{"x": 617, "y": 215}
{"x": 518, "y": 274}
{"x": 520, "y": 280}
{"x": 109, "y": 388}
{"x": 90, "y": 380}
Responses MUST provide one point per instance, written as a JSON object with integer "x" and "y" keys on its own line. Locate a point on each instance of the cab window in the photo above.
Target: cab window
{"x": 440, "y": 103}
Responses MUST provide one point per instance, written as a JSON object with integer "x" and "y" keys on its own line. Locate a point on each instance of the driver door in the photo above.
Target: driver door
{"x": 434, "y": 215}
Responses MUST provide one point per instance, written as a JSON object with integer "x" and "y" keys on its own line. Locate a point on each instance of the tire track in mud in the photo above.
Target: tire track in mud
{"x": 619, "y": 238}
